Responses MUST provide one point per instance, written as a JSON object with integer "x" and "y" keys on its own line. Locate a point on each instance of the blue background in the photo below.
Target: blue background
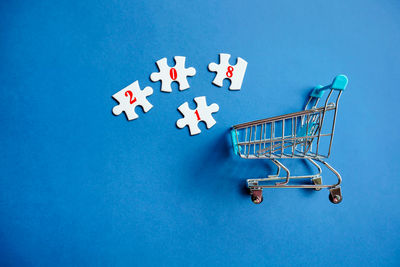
{"x": 82, "y": 187}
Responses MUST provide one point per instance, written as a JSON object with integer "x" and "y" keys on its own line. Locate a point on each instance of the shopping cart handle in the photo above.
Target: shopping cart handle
{"x": 339, "y": 83}
{"x": 236, "y": 148}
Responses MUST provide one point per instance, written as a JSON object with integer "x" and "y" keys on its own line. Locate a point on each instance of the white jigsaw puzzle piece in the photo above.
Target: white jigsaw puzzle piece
{"x": 129, "y": 98}
{"x": 193, "y": 117}
{"x": 190, "y": 119}
{"x": 226, "y": 71}
{"x": 168, "y": 74}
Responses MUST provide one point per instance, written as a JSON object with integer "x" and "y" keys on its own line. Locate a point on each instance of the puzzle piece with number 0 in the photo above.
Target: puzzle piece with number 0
{"x": 129, "y": 98}
{"x": 191, "y": 118}
{"x": 226, "y": 71}
{"x": 168, "y": 74}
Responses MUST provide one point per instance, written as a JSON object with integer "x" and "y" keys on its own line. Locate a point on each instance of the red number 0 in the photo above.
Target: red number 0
{"x": 131, "y": 100}
{"x": 229, "y": 72}
{"x": 197, "y": 115}
{"x": 173, "y": 74}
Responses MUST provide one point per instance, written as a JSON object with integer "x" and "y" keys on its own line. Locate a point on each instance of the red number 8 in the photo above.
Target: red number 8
{"x": 229, "y": 72}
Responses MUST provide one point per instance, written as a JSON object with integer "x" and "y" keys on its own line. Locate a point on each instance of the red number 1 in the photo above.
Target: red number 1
{"x": 131, "y": 100}
{"x": 197, "y": 115}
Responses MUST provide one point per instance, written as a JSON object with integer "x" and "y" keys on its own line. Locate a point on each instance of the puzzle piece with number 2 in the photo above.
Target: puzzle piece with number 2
{"x": 129, "y": 98}
{"x": 226, "y": 71}
{"x": 191, "y": 118}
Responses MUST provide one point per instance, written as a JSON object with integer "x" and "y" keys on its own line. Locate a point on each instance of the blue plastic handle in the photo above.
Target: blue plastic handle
{"x": 317, "y": 92}
{"x": 339, "y": 83}
{"x": 236, "y": 148}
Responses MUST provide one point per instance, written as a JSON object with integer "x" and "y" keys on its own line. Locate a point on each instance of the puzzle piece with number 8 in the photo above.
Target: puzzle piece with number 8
{"x": 226, "y": 71}
{"x": 168, "y": 74}
{"x": 203, "y": 112}
{"x": 129, "y": 98}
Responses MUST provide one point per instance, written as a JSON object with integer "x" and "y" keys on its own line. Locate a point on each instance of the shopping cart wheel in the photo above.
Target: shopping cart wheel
{"x": 317, "y": 181}
{"x": 256, "y": 196}
{"x": 335, "y": 195}
{"x": 336, "y": 199}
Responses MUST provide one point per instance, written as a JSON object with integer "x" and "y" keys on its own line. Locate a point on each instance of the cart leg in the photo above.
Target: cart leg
{"x": 334, "y": 171}
{"x": 277, "y": 173}
{"x": 335, "y": 195}
{"x": 287, "y": 172}
{"x": 316, "y": 165}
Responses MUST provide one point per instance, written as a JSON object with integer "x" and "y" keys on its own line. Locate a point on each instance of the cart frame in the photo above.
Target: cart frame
{"x": 299, "y": 135}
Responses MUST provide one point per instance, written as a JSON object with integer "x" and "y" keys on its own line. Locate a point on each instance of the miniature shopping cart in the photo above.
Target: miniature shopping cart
{"x": 306, "y": 134}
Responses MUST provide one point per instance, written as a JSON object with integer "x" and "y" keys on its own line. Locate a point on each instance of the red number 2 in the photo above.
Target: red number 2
{"x": 131, "y": 100}
{"x": 229, "y": 72}
{"x": 197, "y": 115}
{"x": 173, "y": 74}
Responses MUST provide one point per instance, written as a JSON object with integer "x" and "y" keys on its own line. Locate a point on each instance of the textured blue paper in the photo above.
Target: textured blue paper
{"x": 81, "y": 187}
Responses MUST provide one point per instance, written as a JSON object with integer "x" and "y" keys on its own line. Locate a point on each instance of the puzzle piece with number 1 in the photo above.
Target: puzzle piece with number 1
{"x": 129, "y": 98}
{"x": 168, "y": 74}
{"x": 203, "y": 112}
{"x": 226, "y": 71}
